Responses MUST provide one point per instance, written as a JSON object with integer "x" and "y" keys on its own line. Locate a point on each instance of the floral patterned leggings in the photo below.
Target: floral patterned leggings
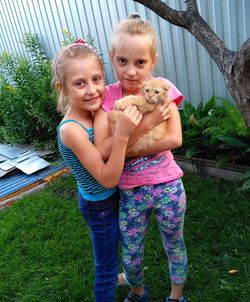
{"x": 168, "y": 202}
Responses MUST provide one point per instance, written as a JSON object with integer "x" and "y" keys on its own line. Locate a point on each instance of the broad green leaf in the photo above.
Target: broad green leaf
{"x": 209, "y": 105}
{"x": 231, "y": 141}
{"x": 194, "y": 132}
{"x": 190, "y": 110}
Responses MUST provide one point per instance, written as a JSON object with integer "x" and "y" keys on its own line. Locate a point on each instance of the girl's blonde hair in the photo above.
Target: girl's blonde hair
{"x": 134, "y": 25}
{"x": 70, "y": 52}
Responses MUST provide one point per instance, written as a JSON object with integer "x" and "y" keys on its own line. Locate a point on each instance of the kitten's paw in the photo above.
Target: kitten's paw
{"x": 113, "y": 116}
{"x": 120, "y": 105}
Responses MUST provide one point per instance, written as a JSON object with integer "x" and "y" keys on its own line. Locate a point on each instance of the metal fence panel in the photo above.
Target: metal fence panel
{"x": 181, "y": 58}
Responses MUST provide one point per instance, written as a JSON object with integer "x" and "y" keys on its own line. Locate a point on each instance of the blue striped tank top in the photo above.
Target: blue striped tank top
{"x": 88, "y": 186}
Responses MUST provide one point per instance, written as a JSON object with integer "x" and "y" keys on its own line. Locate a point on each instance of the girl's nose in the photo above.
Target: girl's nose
{"x": 91, "y": 89}
{"x": 131, "y": 70}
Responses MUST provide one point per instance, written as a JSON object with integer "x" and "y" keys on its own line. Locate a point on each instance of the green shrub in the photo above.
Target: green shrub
{"x": 27, "y": 98}
{"x": 215, "y": 130}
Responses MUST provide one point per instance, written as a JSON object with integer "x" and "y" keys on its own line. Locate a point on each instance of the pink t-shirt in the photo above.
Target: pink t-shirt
{"x": 145, "y": 170}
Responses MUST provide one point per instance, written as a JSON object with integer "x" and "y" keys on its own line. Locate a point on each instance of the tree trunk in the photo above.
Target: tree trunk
{"x": 234, "y": 65}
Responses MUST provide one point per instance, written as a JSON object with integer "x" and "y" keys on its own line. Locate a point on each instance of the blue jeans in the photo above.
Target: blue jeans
{"x": 102, "y": 219}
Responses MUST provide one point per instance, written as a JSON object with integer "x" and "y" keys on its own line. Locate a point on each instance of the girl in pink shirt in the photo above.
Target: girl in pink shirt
{"x": 151, "y": 180}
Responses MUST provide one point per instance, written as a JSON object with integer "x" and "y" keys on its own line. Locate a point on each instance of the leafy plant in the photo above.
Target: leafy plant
{"x": 215, "y": 130}
{"x": 246, "y": 181}
{"x": 68, "y": 38}
{"x": 71, "y": 38}
{"x": 27, "y": 98}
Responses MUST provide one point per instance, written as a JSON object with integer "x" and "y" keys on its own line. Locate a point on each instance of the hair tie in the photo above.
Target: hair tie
{"x": 134, "y": 16}
{"x": 82, "y": 42}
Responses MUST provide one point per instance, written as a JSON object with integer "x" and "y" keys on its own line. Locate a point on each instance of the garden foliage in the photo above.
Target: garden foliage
{"x": 215, "y": 130}
{"x": 27, "y": 97}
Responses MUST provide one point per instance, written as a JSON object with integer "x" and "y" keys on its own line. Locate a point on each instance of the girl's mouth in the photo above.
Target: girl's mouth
{"x": 133, "y": 82}
{"x": 93, "y": 99}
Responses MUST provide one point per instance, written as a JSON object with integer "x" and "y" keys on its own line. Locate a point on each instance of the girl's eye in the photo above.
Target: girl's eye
{"x": 97, "y": 79}
{"x": 141, "y": 63}
{"x": 121, "y": 61}
{"x": 157, "y": 91}
{"x": 79, "y": 83}
{"x": 147, "y": 90}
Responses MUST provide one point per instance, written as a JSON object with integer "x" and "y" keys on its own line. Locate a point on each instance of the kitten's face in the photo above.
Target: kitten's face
{"x": 155, "y": 91}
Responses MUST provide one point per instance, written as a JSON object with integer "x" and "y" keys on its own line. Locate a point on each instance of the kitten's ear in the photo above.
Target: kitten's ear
{"x": 166, "y": 87}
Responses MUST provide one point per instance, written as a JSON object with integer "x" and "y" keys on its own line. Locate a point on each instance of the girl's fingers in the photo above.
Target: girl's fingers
{"x": 139, "y": 118}
{"x": 164, "y": 110}
{"x": 166, "y": 117}
{"x": 136, "y": 116}
{"x": 132, "y": 111}
{"x": 130, "y": 108}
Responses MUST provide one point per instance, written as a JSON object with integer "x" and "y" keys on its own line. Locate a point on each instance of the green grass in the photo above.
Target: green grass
{"x": 46, "y": 254}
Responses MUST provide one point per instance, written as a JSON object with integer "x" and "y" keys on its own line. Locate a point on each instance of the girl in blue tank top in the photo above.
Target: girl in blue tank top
{"x": 79, "y": 79}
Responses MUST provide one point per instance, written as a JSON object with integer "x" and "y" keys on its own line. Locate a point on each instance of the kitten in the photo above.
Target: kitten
{"x": 155, "y": 92}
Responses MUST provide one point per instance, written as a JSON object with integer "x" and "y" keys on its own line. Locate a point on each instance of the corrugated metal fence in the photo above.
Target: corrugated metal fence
{"x": 182, "y": 59}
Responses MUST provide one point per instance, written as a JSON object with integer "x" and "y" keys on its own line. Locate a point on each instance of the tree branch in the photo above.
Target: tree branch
{"x": 234, "y": 65}
{"x": 191, "y": 20}
{"x": 163, "y": 10}
{"x": 244, "y": 57}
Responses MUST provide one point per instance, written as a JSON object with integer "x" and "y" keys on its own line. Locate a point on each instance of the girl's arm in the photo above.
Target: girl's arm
{"x": 171, "y": 140}
{"x": 103, "y": 140}
{"x": 107, "y": 174}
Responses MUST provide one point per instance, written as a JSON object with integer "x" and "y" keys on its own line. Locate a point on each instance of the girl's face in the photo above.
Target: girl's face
{"x": 133, "y": 62}
{"x": 84, "y": 83}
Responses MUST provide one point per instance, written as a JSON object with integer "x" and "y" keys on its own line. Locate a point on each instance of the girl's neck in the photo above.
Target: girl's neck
{"x": 125, "y": 93}
{"x": 84, "y": 117}
{"x": 137, "y": 91}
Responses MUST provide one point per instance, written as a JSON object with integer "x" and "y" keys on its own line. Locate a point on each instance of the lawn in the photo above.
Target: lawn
{"x": 46, "y": 255}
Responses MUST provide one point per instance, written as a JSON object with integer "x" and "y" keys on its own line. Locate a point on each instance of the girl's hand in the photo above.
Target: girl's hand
{"x": 156, "y": 117}
{"x": 164, "y": 111}
{"x": 170, "y": 141}
{"x": 128, "y": 121}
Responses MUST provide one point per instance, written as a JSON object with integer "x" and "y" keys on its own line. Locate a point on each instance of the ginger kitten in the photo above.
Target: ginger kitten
{"x": 155, "y": 92}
